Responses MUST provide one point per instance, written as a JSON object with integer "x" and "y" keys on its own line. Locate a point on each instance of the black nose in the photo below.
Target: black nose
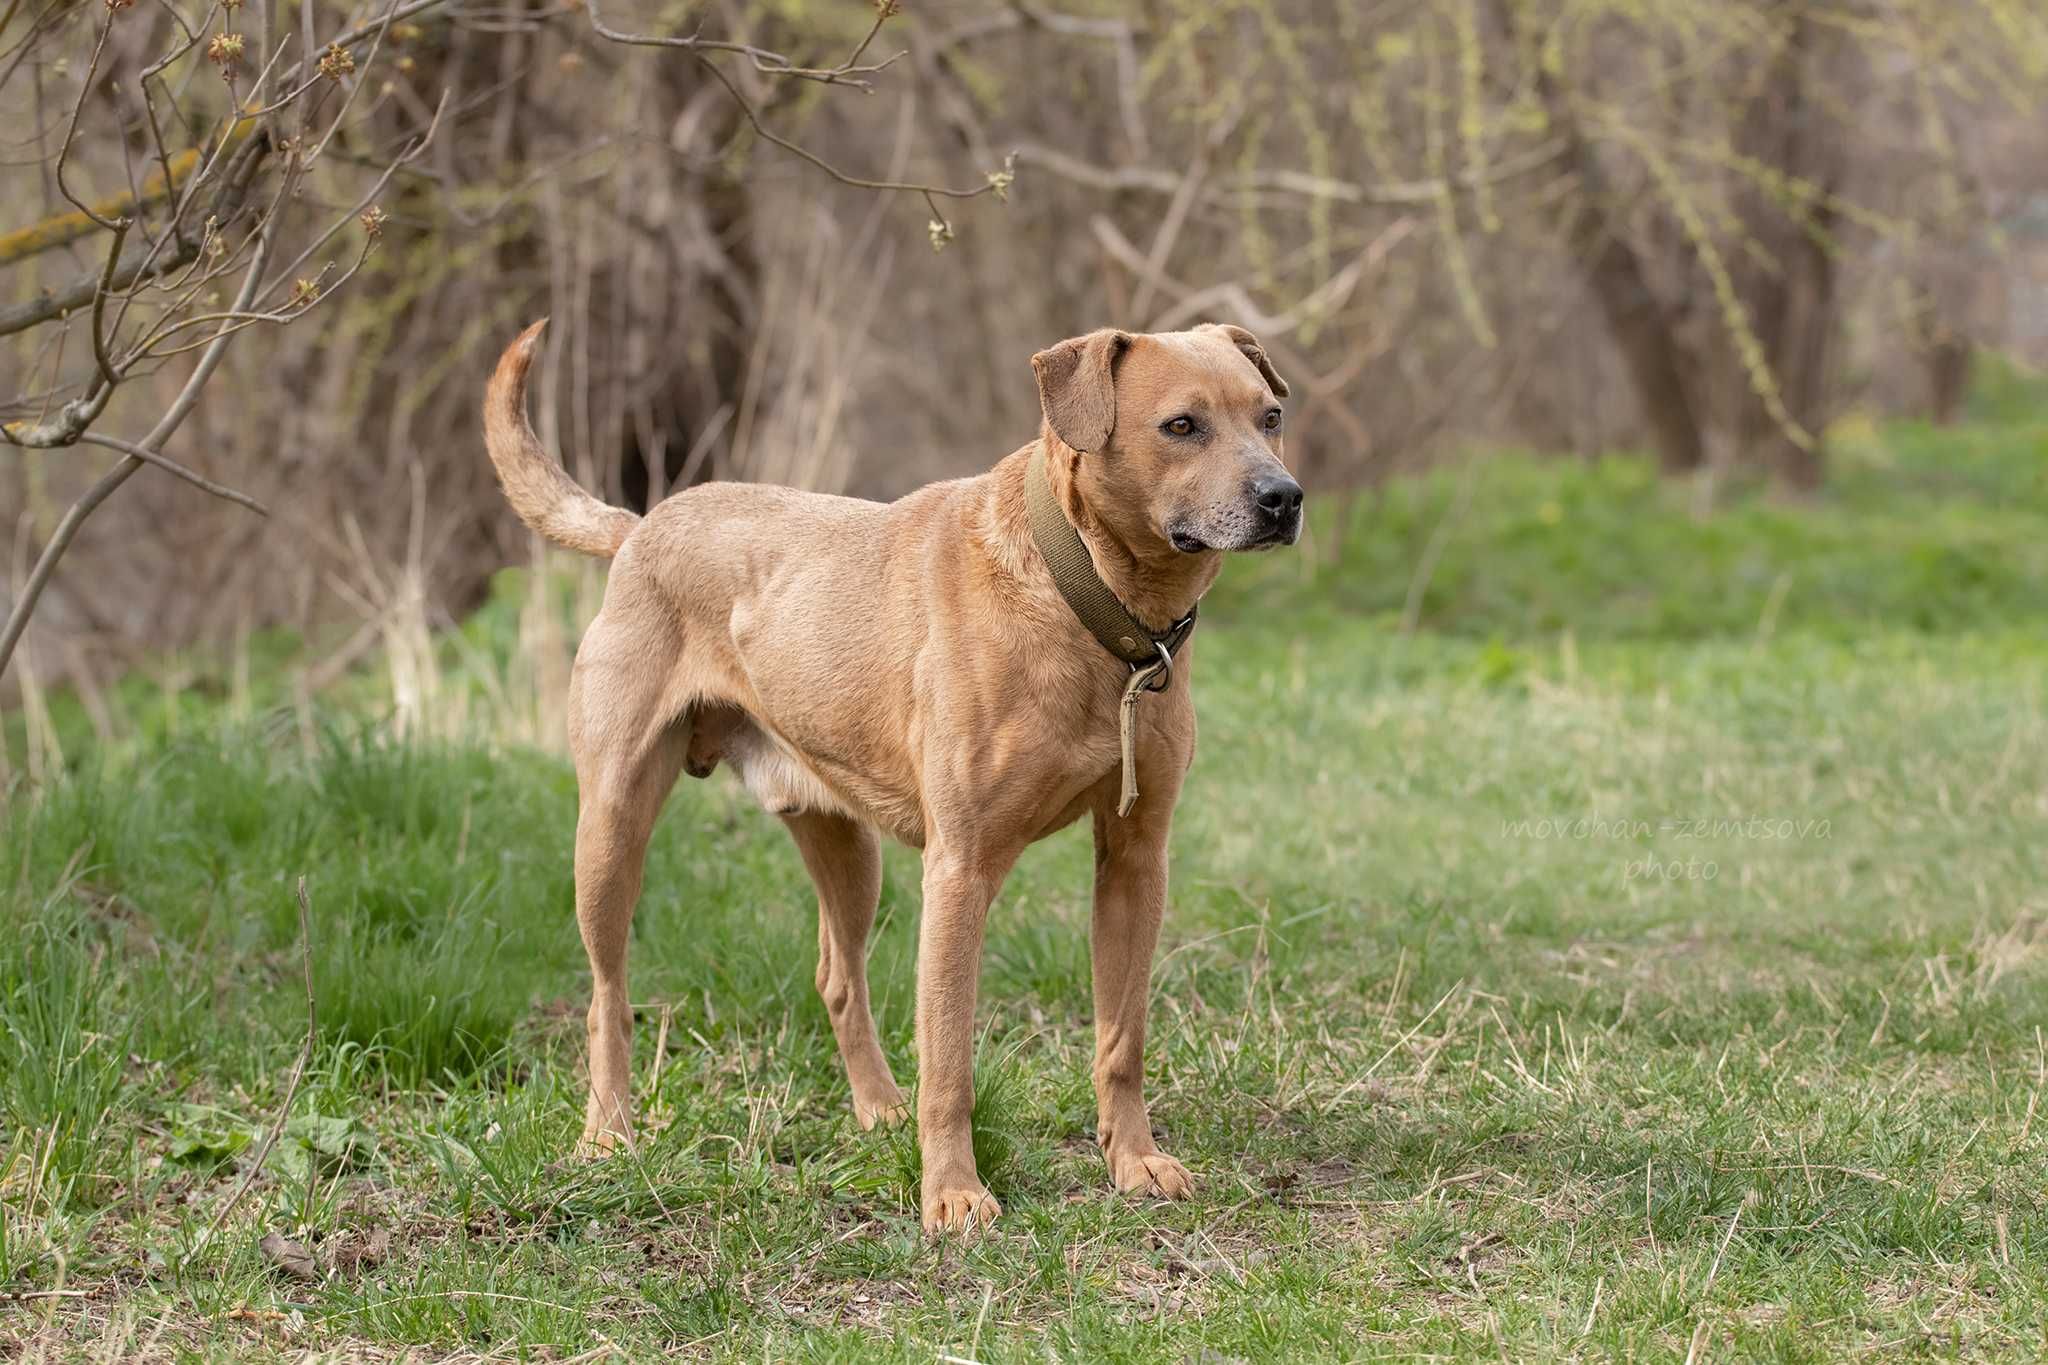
{"x": 1278, "y": 496}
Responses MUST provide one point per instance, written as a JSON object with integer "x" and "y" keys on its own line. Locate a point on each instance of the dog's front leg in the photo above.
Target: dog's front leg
{"x": 1130, "y": 902}
{"x": 958, "y": 887}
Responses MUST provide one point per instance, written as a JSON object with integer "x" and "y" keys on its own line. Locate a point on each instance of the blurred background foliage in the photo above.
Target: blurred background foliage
{"x": 1728, "y": 235}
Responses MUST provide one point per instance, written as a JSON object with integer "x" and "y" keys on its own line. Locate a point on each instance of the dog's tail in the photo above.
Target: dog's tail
{"x": 536, "y": 485}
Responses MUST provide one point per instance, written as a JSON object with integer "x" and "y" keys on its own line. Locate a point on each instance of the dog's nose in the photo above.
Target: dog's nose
{"x": 1278, "y": 496}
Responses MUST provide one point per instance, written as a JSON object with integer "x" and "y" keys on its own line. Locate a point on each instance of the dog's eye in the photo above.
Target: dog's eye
{"x": 1179, "y": 426}
{"x": 1272, "y": 419}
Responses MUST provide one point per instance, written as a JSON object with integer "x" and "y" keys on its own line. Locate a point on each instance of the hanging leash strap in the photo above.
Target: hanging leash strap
{"x": 1148, "y": 653}
{"x": 1127, "y": 723}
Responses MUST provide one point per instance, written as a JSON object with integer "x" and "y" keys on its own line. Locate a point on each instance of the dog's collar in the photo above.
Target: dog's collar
{"x": 1091, "y": 600}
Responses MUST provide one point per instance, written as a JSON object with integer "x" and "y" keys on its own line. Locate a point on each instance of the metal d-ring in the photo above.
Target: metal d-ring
{"x": 1163, "y": 678}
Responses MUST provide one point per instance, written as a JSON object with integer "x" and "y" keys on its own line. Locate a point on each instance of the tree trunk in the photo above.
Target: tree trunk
{"x": 1642, "y": 330}
{"x": 1948, "y": 376}
{"x": 1642, "y": 324}
{"x": 1788, "y": 278}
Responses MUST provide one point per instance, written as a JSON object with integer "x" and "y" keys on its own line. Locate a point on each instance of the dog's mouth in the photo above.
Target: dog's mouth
{"x": 1284, "y": 534}
{"x": 1189, "y": 543}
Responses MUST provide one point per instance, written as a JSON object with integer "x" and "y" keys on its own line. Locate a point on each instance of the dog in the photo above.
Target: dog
{"x": 914, "y": 669}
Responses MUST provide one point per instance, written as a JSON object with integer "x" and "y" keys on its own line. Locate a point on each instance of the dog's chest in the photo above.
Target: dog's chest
{"x": 1070, "y": 741}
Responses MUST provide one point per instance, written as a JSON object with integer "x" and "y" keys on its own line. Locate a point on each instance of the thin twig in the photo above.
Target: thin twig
{"x": 368, "y": 29}
{"x": 173, "y": 468}
{"x": 362, "y": 79}
{"x": 1158, "y": 180}
{"x": 405, "y": 158}
{"x": 108, "y": 374}
{"x": 22, "y": 243}
{"x": 291, "y": 1089}
{"x": 71, "y": 129}
{"x": 858, "y": 182}
{"x": 235, "y": 320}
{"x": 138, "y": 265}
{"x": 776, "y": 64}
{"x": 766, "y": 62}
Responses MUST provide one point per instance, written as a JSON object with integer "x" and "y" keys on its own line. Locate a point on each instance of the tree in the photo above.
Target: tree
{"x": 230, "y": 138}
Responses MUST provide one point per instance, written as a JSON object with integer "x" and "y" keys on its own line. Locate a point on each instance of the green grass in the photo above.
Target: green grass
{"x": 1477, "y": 1045}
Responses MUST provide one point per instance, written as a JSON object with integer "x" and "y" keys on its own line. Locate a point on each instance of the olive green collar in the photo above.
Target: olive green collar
{"x": 1073, "y": 572}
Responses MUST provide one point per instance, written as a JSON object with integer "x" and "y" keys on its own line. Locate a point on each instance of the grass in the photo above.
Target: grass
{"x": 1643, "y": 958}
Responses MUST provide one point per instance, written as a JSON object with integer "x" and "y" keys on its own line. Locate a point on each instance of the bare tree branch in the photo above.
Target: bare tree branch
{"x": 111, "y": 481}
{"x": 108, "y": 376}
{"x": 137, "y": 266}
{"x": 71, "y": 129}
{"x": 69, "y": 227}
{"x": 1120, "y": 33}
{"x": 1230, "y": 296}
{"x": 172, "y": 467}
{"x": 858, "y": 182}
{"x": 221, "y": 158}
{"x": 56, "y": 303}
{"x": 1395, "y": 194}
{"x": 767, "y": 63}
{"x": 847, "y": 73}
{"x": 404, "y": 158}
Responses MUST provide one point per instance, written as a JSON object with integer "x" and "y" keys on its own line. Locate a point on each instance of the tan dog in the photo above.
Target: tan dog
{"x": 912, "y": 669}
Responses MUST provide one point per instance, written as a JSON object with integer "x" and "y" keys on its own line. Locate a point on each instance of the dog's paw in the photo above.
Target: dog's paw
{"x": 880, "y": 1111}
{"x": 599, "y": 1145}
{"x": 1151, "y": 1175}
{"x": 959, "y": 1208}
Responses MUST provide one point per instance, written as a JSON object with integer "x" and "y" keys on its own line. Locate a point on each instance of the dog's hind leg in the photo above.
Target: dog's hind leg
{"x": 629, "y": 747}
{"x": 845, "y": 861}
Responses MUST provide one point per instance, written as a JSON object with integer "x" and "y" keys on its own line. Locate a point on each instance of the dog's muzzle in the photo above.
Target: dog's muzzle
{"x": 1278, "y": 500}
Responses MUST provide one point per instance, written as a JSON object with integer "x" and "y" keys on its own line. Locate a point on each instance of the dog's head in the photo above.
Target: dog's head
{"x": 1180, "y": 435}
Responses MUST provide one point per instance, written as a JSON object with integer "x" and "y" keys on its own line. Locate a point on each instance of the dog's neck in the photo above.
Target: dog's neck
{"x": 1156, "y": 583}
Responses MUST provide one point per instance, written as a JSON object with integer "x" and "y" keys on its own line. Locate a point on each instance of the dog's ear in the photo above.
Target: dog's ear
{"x": 1077, "y": 387}
{"x": 1249, "y": 344}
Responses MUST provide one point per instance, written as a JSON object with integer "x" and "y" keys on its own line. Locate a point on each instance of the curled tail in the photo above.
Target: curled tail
{"x": 536, "y": 485}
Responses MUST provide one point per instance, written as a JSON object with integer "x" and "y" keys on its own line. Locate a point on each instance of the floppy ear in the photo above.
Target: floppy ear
{"x": 1077, "y": 387}
{"x": 1255, "y": 353}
